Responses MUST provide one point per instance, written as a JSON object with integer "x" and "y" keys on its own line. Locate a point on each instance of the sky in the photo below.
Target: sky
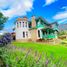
{"x": 51, "y": 10}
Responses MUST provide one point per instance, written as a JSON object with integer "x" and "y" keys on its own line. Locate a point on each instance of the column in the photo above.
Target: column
{"x": 40, "y": 34}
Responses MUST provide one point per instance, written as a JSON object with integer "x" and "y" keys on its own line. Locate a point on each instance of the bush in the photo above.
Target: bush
{"x": 5, "y": 39}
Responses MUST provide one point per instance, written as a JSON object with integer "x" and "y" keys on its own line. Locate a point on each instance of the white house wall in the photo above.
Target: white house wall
{"x": 19, "y": 31}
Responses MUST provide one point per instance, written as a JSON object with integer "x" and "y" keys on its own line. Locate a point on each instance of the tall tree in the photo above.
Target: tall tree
{"x": 3, "y": 19}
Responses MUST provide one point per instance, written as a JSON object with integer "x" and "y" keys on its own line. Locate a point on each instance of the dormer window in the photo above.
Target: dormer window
{"x": 39, "y": 23}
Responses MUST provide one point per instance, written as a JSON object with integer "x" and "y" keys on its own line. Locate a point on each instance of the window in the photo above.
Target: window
{"x": 38, "y": 33}
{"x": 26, "y": 24}
{"x": 20, "y": 24}
{"x": 23, "y": 34}
{"x": 23, "y": 24}
{"x": 17, "y": 25}
{"x": 26, "y": 34}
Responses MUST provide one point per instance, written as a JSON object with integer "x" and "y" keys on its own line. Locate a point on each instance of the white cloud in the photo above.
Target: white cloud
{"x": 48, "y": 2}
{"x": 61, "y": 16}
{"x": 16, "y": 7}
{"x": 62, "y": 21}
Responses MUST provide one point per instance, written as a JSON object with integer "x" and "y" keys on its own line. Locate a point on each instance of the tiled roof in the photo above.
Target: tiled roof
{"x": 24, "y": 18}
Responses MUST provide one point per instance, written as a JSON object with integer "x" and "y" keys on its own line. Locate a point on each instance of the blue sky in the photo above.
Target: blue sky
{"x": 51, "y": 10}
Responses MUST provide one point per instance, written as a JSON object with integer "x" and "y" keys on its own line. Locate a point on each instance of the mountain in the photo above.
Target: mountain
{"x": 63, "y": 26}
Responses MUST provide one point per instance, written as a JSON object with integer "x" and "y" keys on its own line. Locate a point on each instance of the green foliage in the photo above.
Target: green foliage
{"x": 2, "y": 20}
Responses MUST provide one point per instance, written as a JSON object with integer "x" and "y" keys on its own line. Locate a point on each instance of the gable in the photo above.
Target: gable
{"x": 41, "y": 23}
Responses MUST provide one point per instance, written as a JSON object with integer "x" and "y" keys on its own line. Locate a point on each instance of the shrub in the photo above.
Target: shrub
{"x": 5, "y": 39}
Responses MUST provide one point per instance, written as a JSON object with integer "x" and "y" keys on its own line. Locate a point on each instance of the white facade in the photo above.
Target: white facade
{"x": 22, "y": 30}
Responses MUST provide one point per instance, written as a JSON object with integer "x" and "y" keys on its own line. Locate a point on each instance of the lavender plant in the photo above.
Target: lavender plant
{"x": 5, "y": 39}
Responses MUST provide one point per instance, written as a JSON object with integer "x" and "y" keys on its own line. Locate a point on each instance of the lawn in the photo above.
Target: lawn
{"x": 32, "y": 54}
{"x": 56, "y": 50}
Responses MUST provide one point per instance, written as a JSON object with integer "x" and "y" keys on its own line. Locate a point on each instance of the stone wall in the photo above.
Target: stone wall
{"x": 33, "y": 34}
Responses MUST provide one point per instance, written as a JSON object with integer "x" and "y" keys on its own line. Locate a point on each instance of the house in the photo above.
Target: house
{"x": 37, "y": 28}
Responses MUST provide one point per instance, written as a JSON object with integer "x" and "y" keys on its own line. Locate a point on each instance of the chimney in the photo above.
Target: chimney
{"x": 33, "y": 31}
{"x": 33, "y": 21}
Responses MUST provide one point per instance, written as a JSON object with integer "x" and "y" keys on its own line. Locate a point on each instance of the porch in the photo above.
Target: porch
{"x": 47, "y": 33}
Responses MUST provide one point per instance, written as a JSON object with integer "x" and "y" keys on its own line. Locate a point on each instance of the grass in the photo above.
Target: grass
{"x": 50, "y": 49}
{"x": 59, "y": 52}
{"x": 32, "y": 54}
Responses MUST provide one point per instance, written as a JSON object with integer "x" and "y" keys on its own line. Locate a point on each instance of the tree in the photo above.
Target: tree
{"x": 3, "y": 19}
